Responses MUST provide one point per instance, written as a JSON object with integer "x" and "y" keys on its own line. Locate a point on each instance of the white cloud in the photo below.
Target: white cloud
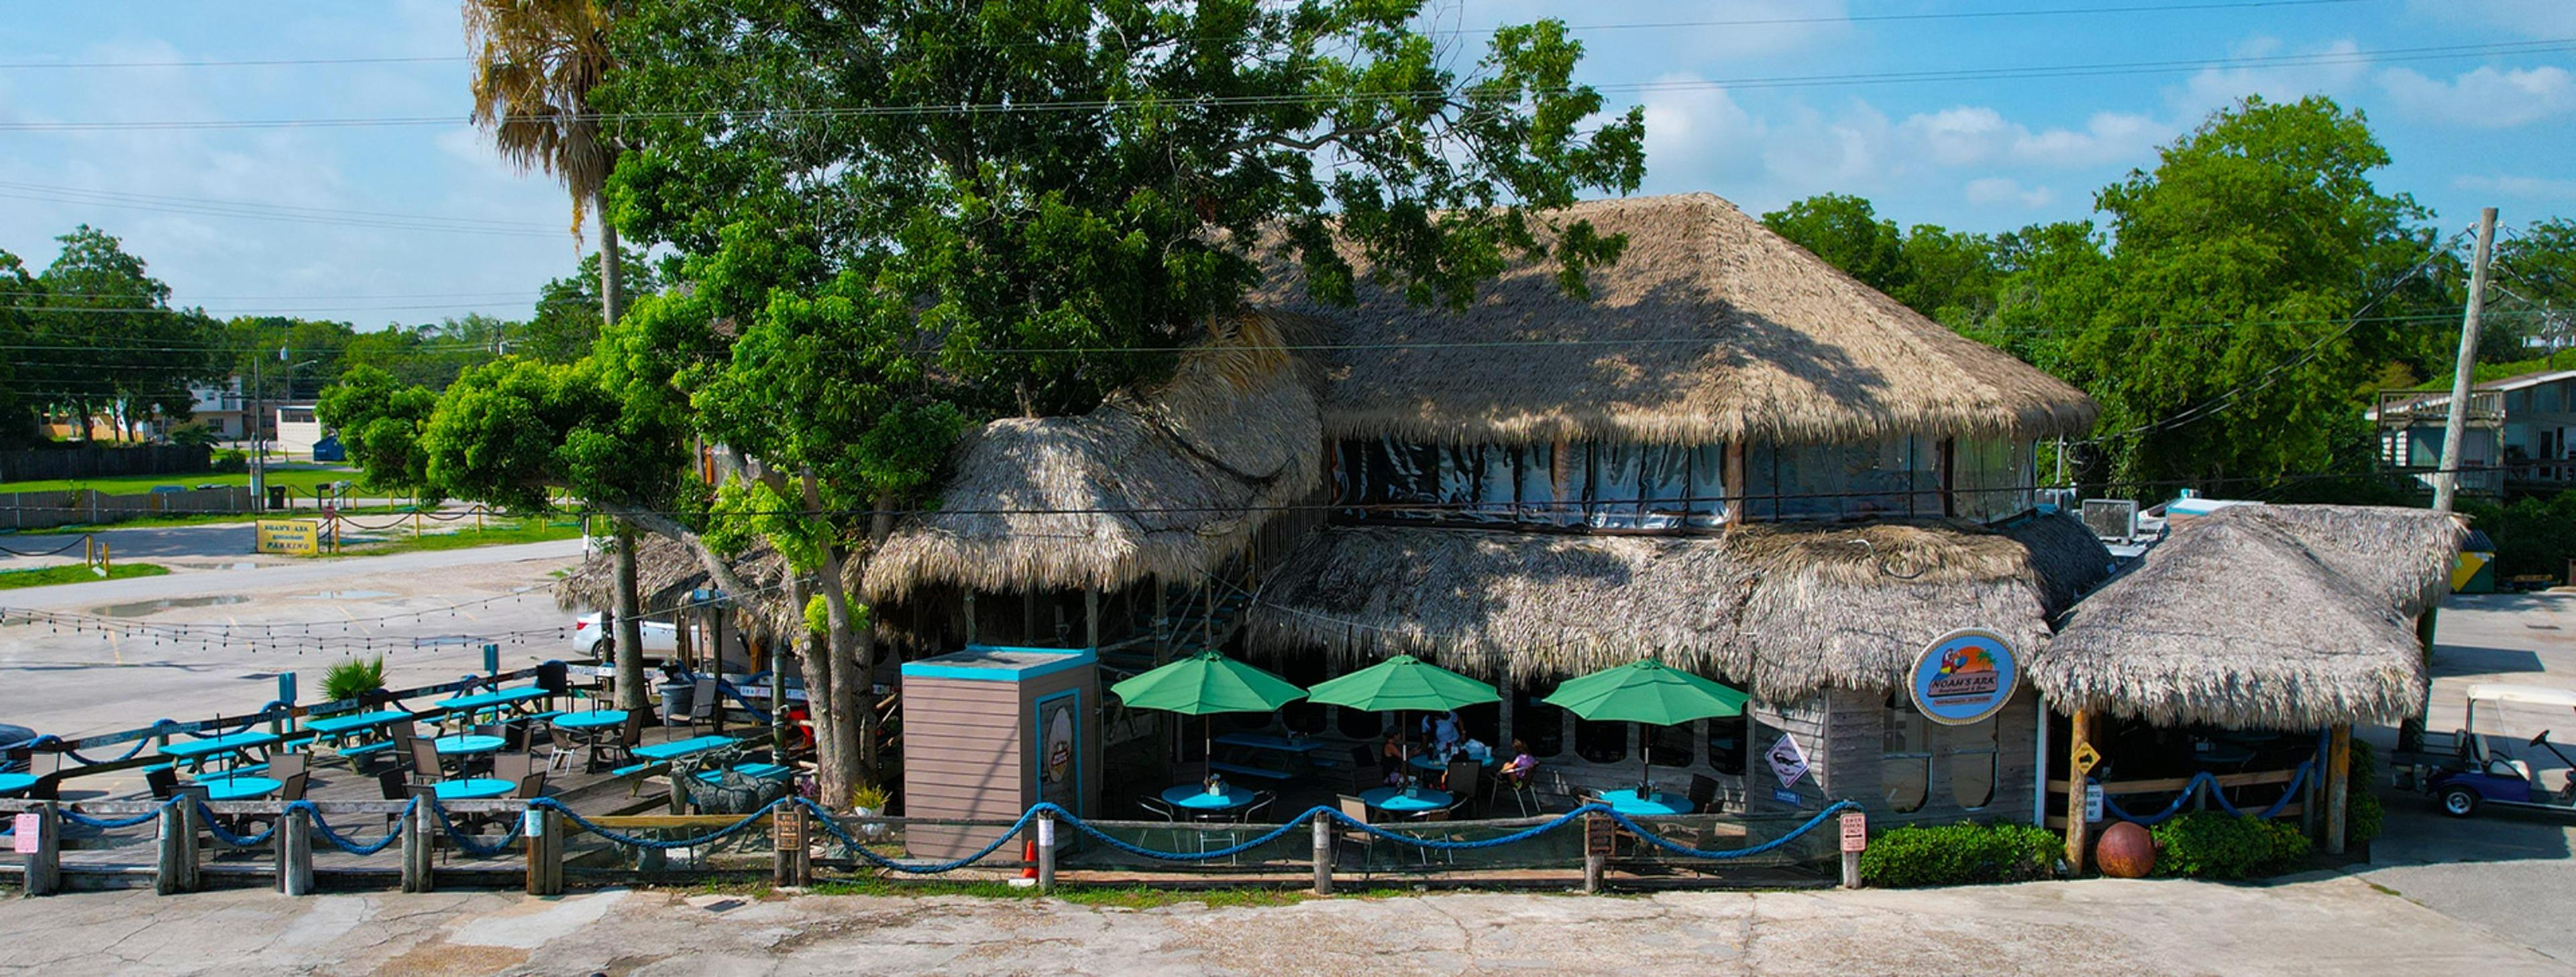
{"x": 2212, "y": 88}
{"x": 2535, "y": 187}
{"x": 2484, "y": 98}
{"x": 1996, "y": 190}
{"x": 1970, "y": 135}
{"x": 1963, "y": 135}
{"x": 1695, "y": 129}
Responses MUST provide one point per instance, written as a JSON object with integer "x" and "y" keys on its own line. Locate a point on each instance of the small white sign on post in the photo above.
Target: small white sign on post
{"x": 1855, "y": 832}
{"x": 1046, "y": 832}
{"x": 536, "y": 822}
{"x": 1788, "y": 762}
{"x": 2092, "y": 802}
{"x": 26, "y": 826}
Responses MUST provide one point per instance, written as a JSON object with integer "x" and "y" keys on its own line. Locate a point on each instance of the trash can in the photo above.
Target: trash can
{"x": 277, "y": 496}
{"x": 677, "y": 699}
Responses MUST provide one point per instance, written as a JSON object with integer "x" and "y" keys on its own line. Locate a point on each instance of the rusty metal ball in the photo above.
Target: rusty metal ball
{"x": 2126, "y": 851}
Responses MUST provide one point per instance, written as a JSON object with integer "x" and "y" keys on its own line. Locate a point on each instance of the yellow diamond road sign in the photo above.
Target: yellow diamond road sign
{"x": 2086, "y": 756}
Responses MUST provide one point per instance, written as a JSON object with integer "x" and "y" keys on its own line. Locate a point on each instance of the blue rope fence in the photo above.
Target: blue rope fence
{"x": 475, "y": 846}
{"x": 2204, "y": 781}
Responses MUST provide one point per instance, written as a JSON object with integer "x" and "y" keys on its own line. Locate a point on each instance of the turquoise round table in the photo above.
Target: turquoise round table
{"x": 1195, "y": 797}
{"x": 11, "y": 783}
{"x": 239, "y": 788}
{"x": 1627, "y": 802}
{"x": 469, "y": 789}
{"x": 466, "y": 744}
{"x": 591, "y": 719}
{"x": 1430, "y": 764}
{"x": 1406, "y": 800}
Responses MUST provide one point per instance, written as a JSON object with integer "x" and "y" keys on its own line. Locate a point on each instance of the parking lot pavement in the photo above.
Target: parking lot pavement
{"x": 2511, "y": 873}
{"x": 2318, "y": 925}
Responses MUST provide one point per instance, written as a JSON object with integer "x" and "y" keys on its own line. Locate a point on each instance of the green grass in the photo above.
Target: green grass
{"x": 303, "y": 479}
{"x": 496, "y": 532}
{"x": 76, "y": 573}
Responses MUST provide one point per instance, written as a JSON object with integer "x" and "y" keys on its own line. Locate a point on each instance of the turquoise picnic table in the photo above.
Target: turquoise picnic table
{"x": 195, "y": 753}
{"x": 468, "y": 744}
{"x": 336, "y": 727}
{"x": 1406, "y": 800}
{"x": 591, "y": 719}
{"x": 679, "y": 748}
{"x": 498, "y": 699}
{"x": 1627, "y": 802}
{"x": 1431, "y": 764}
{"x": 239, "y": 787}
{"x": 1196, "y": 798}
{"x": 11, "y": 783}
{"x": 472, "y": 788}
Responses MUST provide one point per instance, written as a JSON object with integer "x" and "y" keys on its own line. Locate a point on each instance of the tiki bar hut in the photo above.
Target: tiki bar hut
{"x": 2238, "y": 645}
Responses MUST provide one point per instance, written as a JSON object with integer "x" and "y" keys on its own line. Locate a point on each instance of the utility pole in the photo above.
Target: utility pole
{"x": 258, "y": 448}
{"x": 2446, "y": 482}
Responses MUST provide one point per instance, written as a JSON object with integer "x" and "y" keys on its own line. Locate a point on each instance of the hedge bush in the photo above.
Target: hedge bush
{"x": 2361, "y": 809}
{"x": 231, "y": 462}
{"x": 2214, "y": 845}
{"x": 1960, "y": 854}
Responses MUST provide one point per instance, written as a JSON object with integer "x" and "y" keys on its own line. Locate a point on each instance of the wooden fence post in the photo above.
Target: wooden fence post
{"x": 2338, "y": 785}
{"x": 176, "y": 871}
{"x": 45, "y": 864}
{"x": 294, "y": 853}
{"x": 1596, "y": 851}
{"x": 545, "y": 851}
{"x": 1323, "y": 854}
{"x": 2078, "y": 738}
{"x": 1046, "y": 851}
{"x": 416, "y": 867}
{"x": 792, "y": 863}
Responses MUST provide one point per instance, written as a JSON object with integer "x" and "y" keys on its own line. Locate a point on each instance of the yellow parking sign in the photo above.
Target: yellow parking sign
{"x": 293, "y": 537}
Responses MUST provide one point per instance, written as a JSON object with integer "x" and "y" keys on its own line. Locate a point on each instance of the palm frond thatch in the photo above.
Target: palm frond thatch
{"x": 1784, "y": 609}
{"x": 1164, "y": 483}
{"x": 2260, "y": 617}
{"x": 1710, "y": 328}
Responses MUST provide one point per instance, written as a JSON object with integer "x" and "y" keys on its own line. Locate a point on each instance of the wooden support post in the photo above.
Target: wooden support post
{"x": 1029, "y": 616}
{"x": 545, "y": 849}
{"x": 1091, "y": 618}
{"x": 1162, "y": 622}
{"x": 2078, "y": 738}
{"x": 416, "y": 865}
{"x": 1503, "y": 719}
{"x": 1046, "y": 851}
{"x": 1851, "y": 870}
{"x": 792, "y": 860}
{"x": 294, "y": 853}
{"x": 176, "y": 871}
{"x": 970, "y": 615}
{"x": 2338, "y": 784}
{"x": 1598, "y": 838}
{"x": 1323, "y": 855}
{"x": 44, "y": 875}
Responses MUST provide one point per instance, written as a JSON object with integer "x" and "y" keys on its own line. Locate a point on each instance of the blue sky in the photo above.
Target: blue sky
{"x": 1975, "y": 154}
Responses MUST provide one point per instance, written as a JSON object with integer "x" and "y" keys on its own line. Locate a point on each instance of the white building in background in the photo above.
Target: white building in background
{"x": 297, "y": 430}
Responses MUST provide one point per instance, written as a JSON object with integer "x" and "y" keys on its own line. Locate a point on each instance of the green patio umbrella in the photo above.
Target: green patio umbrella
{"x": 1648, "y": 692}
{"x": 1204, "y": 684}
{"x": 1400, "y": 684}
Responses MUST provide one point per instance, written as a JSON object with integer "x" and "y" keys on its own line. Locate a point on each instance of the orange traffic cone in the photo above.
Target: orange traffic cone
{"x": 1028, "y": 865}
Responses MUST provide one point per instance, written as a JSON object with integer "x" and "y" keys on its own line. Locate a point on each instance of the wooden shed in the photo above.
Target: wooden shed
{"x": 990, "y": 731}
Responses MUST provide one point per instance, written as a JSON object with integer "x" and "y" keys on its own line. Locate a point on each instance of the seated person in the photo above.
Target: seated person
{"x": 1390, "y": 754}
{"x": 1522, "y": 766}
{"x": 1444, "y": 733}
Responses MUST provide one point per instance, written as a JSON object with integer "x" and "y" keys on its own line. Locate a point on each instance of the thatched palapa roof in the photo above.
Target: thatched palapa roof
{"x": 2260, "y": 617}
{"x": 1167, "y": 483}
{"x": 667, "y": 572}
{"x": 1709, "y": 328}
{"x": 1782, "y": 608}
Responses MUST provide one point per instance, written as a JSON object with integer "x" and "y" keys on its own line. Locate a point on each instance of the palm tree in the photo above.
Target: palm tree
{"x": 535, "y": 64}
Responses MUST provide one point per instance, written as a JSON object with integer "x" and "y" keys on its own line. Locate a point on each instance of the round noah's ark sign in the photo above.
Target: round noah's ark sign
{"x": 1964, "y": 677}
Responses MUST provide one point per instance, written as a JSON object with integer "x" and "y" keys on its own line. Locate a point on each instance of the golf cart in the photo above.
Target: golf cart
{"x": 2478, "y": 767}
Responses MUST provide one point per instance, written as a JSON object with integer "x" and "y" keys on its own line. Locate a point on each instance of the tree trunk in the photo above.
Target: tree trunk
{"x": 612, "y": 270}
{"x": 849, "y": 714}
{"x": 630, "y": 627}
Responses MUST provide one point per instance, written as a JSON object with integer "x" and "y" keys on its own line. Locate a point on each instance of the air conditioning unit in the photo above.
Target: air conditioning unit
{"x": 2113, "y": 520}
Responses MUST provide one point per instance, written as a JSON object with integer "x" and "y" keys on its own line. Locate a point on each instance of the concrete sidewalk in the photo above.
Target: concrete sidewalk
{"x": 2320, "y": 924}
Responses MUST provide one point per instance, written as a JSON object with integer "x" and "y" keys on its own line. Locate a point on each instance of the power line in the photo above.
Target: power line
{"x": 1437, "y": 32}
{"x": 2545, "y": 46}
{"x": 423, "y": 224}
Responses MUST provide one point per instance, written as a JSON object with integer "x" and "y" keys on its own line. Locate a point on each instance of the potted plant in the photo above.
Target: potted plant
{"x": 357, "y": 678}
{"x": 868, "y": 801}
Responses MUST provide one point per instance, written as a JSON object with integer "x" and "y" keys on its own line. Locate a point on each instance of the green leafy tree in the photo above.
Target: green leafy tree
{"x": 381, "y": 420}
{"x": 20, "y": 296}
{"x": 1847, "y": 232}
{"x": 566, "y": 323}
{"x": 108, "y": 341}
{"x": 1041, "y": 200}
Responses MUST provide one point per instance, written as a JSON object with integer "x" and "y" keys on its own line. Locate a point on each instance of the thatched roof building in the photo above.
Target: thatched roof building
{"x": 1164, "y": 484}
{"x": 2260, "y": 617}
{"x": 1786, "y": 608}
{"x": 1710, "y": 328}
{"x": 667, "y": 573}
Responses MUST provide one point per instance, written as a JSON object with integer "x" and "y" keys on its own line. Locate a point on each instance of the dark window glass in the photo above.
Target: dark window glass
{"x": 1726, "y": 744}
{"x": 1539, "y": 725}
{"x": 1360, "y": 725}
{"x": 1600, "y": 742}
{"x": 1669, "y": 746}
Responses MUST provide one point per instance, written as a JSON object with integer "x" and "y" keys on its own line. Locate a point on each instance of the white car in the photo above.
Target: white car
{"x": 590, "y": 639}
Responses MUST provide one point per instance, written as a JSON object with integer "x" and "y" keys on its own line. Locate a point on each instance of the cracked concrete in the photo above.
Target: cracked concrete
{"x": 2323, "y": 924}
